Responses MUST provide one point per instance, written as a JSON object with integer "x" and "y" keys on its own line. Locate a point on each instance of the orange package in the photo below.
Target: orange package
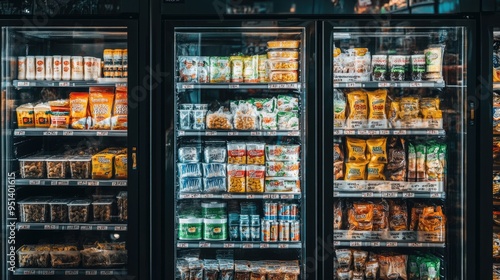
{"x": 78, "y": 103}
{"x": 360, "y": 216}
{"x": 120, "y": 110}
{"x": 101, "y": 106}
{"x": 59, "y": 113}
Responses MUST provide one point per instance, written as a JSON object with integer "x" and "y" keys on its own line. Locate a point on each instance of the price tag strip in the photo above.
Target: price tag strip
{"x": 387, "y": 186}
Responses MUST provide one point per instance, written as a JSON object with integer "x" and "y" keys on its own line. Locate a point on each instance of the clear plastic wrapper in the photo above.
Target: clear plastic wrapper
{"x": 246, "y": 117}
{"x": 219, "y": 120}
{"x": 34, "y": 209}
{"x": 185, "y": 119}
{"x": 289, "y": 54}
{"x": 287, "y": 103}
{"x": 25, "y": 116}
{"x": 282, "y": 152}
{"x": 33, "y": 256}
{"x": 189, "y": 170}
{"x": 64, "y": 256}
{"x": 122, "y": 204}
{"x": 215, "y": 154}
{"x": 102, "y": 210}
{"x": 33, "y": 167}
{"x": 220, "y": 69}
{"x": 258, "y": 271}
{"x": 283, "y": 44}
{"x": 188, "y": 66}
{"x": 282, "y": 64}
{"x": 199, "y": 119}
{"x": 236, "y": 153}
{"x": 80, "y": 167}
{"x": 284, "y": 76}
{"x": 186, "y": 106}
{"x": 255, "y": 178}
{"x": 264, "y": 104}
{"x": 214, "y": 185}
{"x": 360, "y": 216}
{"x": 211, "y": 170}
{"x": 255, "y": 153}
{"x": 190, "y": 185}
{"x": 79, "y": 211}
{"x": 288, "y": 121}
{"x": 236, "y": 178}
{"x": 241, "y": 270}
{"x": 189, "y": 154}
{"x": 268, "y": 121}
{"x": 195, "y": 269}
{"x": 211, "y": 270}
{"x": 340, "y": 108}
{"x": 282, "y": 169}
{"x": 226, "y": 267}
{"x": 59, "y": 210}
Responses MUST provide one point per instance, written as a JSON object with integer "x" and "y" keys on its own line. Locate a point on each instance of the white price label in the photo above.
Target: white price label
{"x": 102, "y": 228}
{"x": 24, "y": 227}
{"x": 71, "y": 272}
{"x": 399, "y": 132}
{"x": 85, "y": 227}
{"x": 287, "y": 196}
{"x": 227, "y": 196}
{"x": 119, "y": 183}
{"x": 432, "y": 132}
{"x": 68, "y": 133}
{"x": 375, "y": 244}
{"x": 264, "y": 245}
{"x": 182, "y": 245}
{"x": 107, "y": 272}
{"x": 336, "y": 243}
{"x": 355, "y": 244}
{"x": 389, "y": 194}
{"x": 275, "y": 196}
{"x": 248, "y": 246}
{"x": 205, "y": 245}
{"x": 272, "y": 133}
{"x": 92, "y": 183}
{"x": 47, "y": 272}
{"x": 408, "y": 195}
{"x": 62, "y": 183}
{"x": 210, "y": 133}
{"x": 228, "y": 245}
{"x": 391, "y": 244}
{"x": 256, "y": 133}
{"x": 283, "y": 86}
{"x": 182, "y": 132}
{"x": 19, "y": 132}
{"x": 102, "y": 133}
{"x": 64, "y": 84}
{"x": 435, "y": 195}
{"x": 293, "y": 133}
{"x": 353, "y": 85}
{"x": 367, "y": 194}
{"x": 23, "y": 84}
{"x": 232, "y": 133}
{"x": 50, "y": 227}
{"x": 207, "y": 195}
{"x": 91, "y": 272}
{"x": 266, "y": 196}
{"x": 250, "y": 196}
{"x": 384, "y": 132}
{"x": 349, "y": 132}
{"x": 34, "y": 182}
{"x": 415, "y": 244}
{"x": 383, "y": 85}
{"x": 187, "y": 86}
{"x": 121, "y": 228}
{"x": 73, "y": 227}
{"x": 338, "y": 132}
{"x": 234, "y": 86}
{"x": 29, "y": 272}
{"x": 336, "y": 194}
{"x": 50, "y": 133}
{"x": 415, "y": 84}
{"x": 283, "y": 246}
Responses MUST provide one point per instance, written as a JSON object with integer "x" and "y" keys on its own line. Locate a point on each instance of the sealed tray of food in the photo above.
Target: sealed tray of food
{"x": 59, "y": 210}
{"x": 282, "y": 169}
{"x": 282, "y": 64}
{"x": 283, "y": 76}
{"x": 102, "y": 210}
{"x": 282, "y": 152}
{"x": 104, "y": 255}
{"x": 122, "y": 203}
{"x": 117, "y": 258}
{"x": 289, "y": 54}
{"x": 32, "y": 167}
{"x": 56, "y": 167}
{"x": 93, "y": 257}
{"x": 64, "y": 256}
{"x": 34, "y": 209}
{"x": 33, "y": 256}
{"x": 79, "y": 211}
{"x": 79, "y": 167}
{"x": 283, "y": 44}
{"x": 282, "y": 184}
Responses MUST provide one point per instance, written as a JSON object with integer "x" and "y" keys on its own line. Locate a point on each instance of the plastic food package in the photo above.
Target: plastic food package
{"x": 236, "y": 153}
{"x": 356, "y": 150}
{"x": 199, "y": 119}
{"x": 282, "y": 64}
{"x": 59, "y": 113}
{"x": 289, "y": 54}
{"x": 237, "y": 65}
{"x": 210, "y": 270}
{"x": 34, "y": 209}
{"x": 339, "y": 107}
{"x": 277, "y": 184}
{"x": 287, "y": 103}
{"x": 255, "y": 153}
{"x": 185, "y": 119}
{"x": 121, "y": 170}
{"x": 360, "y": 216}
{"x": 64, "y": 256}
{"x": 214, "y": 154}
{"x": 56, "y": 167}
{"x": 284, "y": 76}
{"x": 211, "y": 170}
{"x": 190, "y": 185}
{"x": 33, "y": 256}
{"x": 102, "y": 210}
{"x": 282, "y": 152}
{"x": 255, "y": 178}
{"x": 203, "y": 70}
{"x": 42, "y": 115}
{"x": 25, "y": 116}
{"x": 122, "y": 204}
{"x": 80, "y": 167}
{"x": 269, "y": 121}
{"x": 119, "y": 120}
{"x": 188, "y": 66}
{"x": 282, "y": 169}
{"x": 246, "y": 117}
{"x": 102, "y": 165}
{"x": 214, "y": 185}
{"x": 288, "y": 121}
{"x": 220, "y": 69}
{"x": 59, "y": 210}
{"x": 236, "y": 178}
{"x": 267, "y": 105}
{"x": 251, "y": 69}
{"x": 189, "y": 154}
{"x": 78, "y": 103}
{"x": 219, "y": 119}
{"x": 32, "y": 167}
{"x": 79, "y": 211}
{"x": 189, "y": 170}
{"x": 101, "y": 107}
{"x": 285, "y": 44}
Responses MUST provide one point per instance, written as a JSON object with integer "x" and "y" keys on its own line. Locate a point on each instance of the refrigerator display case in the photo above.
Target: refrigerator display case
{"x": 69, "y": 162}
{"x": 399, "y": 144}
{"x": 240, "y": 150}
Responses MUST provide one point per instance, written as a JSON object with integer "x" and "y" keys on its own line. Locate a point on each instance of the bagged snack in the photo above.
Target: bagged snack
{"x": 288, "y": 121}
{"x": 182, "y": 272}
{"x": 258, "y": 270}
{"x": 359, "y": 260}
{"x": 188, "y": 68}
{"x": 195, "y": 269}
{"x": 421, "y": 151}
{"x": 360, "y": 216}
{"x": 358, "y": 109}
{"x": 211, "y": 270}
{"x": 119, "y": 121}
{"x": 409, "y": 108}
{"x": 102, "y": 165}
{"x": 214, "y": 185}
{"x": 433, "y": 169}
{"x": 339, "y": 109}
{"x": 355, "y": 171}
{"x": 344, "y": 258}
{"x": 397, "y": 70}
{"x": 189, "y": 170}
{"x": 392, "y": 266}
{"x": 377, "y": 117}
{"x": 214, "y": 153}
{"x": 380, "y": 215}
{"x": 429, "y": 267}
{"x": 236, "y": 153}
{"x": 25, "y": 116}
{"x": 496, "y": 112}
{"x": 220, "y": 70}
{"x": 185, "y": 119}
{"x": 255, "y": 178}
{"x": 375, "y": 171}
{"x": 236, "y": 178}
{"x": 241, "y": 270}
{"x": 42, "y": 115}
{"x": 282, "y": 152}
{"x": 338, "y": 160}
{"x": 396, "y": 158}
{"x": 434, "y": 62}
{"x": 268, "y": 121}
{"x": 189, "y": 153}
{"x": 236, "y": 62}
{"x": 219, "y": 119}
{"x": 394, "y": 113}
{"x": 377, "y": 150}
{"x": 101, "y": 105}
{"x": 337, "y": 214}
{"x": 416, "y": 211}
{"x": 398, "y": 215}
{"x": 433, "y": 221}
{"x": 379, "y": 67}
{"x": 211, "y": 170}
{"x": 443, "y": 154}
{"x": 59, "y": 113}
{"x": 371, "y": 271}
{"x": 412, "y": 162}
{"x": 255, "y": 153}
{"x": 282, "y": 169}
{"x": 246, "y": 117}
{"x": 356, "y": 150}
{"x": 287, "y": 103}
{"x": 203, "y": 69}
{"x": 251, "y": 69}
{"x": 267, "y": 105}
{"x": 226, "y": 268}
{"x": 78, "y": 102}
{"x": 277, "y": 184}
{"x": 121, "y": 170}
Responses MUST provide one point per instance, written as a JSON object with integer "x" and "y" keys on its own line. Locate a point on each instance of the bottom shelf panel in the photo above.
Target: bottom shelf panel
{"x": 55, "y": 271}
{"x": 389, "y": 244}
{"x": 239, "y": 245}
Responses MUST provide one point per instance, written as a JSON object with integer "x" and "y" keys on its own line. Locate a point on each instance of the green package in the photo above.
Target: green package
{"x": 288, "y": 121}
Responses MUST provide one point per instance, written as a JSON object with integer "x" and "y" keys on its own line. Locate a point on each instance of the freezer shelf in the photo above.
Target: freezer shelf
{"x": 237, "y": 133}
{"x": 385, "y": 186}
{"x": 68, "y": 132}
{"x": 389, "y": 84}
{"x": 347, "y": 132}
{"x": 391, "y": 194}
{"x": 114, "y": 82}
{"x": 389, "y": 244}
{"x": 71, "y": 226}
{"x": 70, "y": 182}
{"x": 52, "y": 271}
{"x": 239, "y": 245}
{"x": 239, "y": 196}
{"x": 186, "y": 86}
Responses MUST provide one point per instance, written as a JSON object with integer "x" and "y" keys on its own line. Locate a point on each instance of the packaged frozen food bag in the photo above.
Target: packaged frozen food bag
{"x": 359, "y": 260}
{"x": 433, "y": 168}
{"x": 282, "y": 169}
{"x": 416, "y": 211}
{"x": 219, "y": 119}
{"x": 287, "y": 103}
{"x": 421, "y": 151}
{"x": 288, "y": 121}
{"x": 101, "y": 106}
{"x": 121, "y": 167}
{"x": 211, "y": 170}
{"x": 188, "y": 69}
{"x": 282, "y": 184}
{"x": 263, "y": 78}
{"x": 59, "y": 113}
{"x": 214, "y": 185}
{"x": 339, "y": 109}
{"x": 377, "y": 117}
{"x": 264, "y": 104}
{"x": 215, "y": 153}
{"x": 242, "y": 270}
{"x": 235, "y": 178}
{"x": 358, "y": 109}
{"x": 338, "y": 159}
{"x": 392, "y": 266}
{"x": 236, "y": 152}
{"x": 337, "y": 214}
{"x": 356, "y": 150}
{"x": 237, "y": 65}
{"x": 220, "y": 69}
{"x": 251, "y": 69}
{"x": 210, "y": 270}
{"x": 203, "y": 69}
{"x": 360, "y": 216}
{"x": 380, "y": 215}
{"x": 375, "y": 171}
{"x": 283, "y": 44}
{"x": 25, "y": 116}
{"x": 255, "y": 153}
{"x": 199, "y": 119}
{"x": 282, "y": 152}
{"x": 355, "y": 171}
{"x": 377, "y": 150}
{"x": 42, "y": 115}
{"x": 398, "y": 215}
{"x": 432, "y": 223}
{"x": 412, "y": 162}
{"x": 434, "y": 62}
{"x": 396, "y": 158}
{"x": 268, "y": 121}
{"x": 189, "y": 170}
{"x": 428, "y": 267}
{"x": 119, "y": 121}
{"x": 226, "y": 267}
{"x": 185, "y": 119}
{"x": 78, "y": 102}
{"x": 182, "y": 272}
{"x": 189, "y": 153}
{"x": 344, "y": 257}
{"x": 255, "y": 178}
{"x": 371, "y": 271}
{"x": 394, "y": 114}
{"x": 246, "y": 117}
{"x": 190, "y": 185}
{"x": 409, "y": 108}
{"x": 284, "y": 76}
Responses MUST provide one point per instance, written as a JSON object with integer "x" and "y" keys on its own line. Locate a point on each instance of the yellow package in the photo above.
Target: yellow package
{"x": 78, "y": 103}
{"x": 25, "y": 115}
{"x": 355, "y": 171}
{"x": 375, "y": 171}
{"x": 394, "y": 112}
{"x": 121, "y": 166}
{"x": 376, "y": 102}
{"x": 102, "y": 165}
{"x": 119, "y": 121}
{"x": 356, "y": 149}
{"x": 339, "y": 107}
{"x": 429, "y": 113}
{"x": 101, "y": 105}
{"x": 358, "y": 105}
{"x": 409, "y": 108}
{"x": 377, "y": 150}
{"x": 430, "y": 103}
{"x": 42, "y": 115}
{"x": 336, "y": 52}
